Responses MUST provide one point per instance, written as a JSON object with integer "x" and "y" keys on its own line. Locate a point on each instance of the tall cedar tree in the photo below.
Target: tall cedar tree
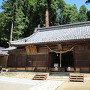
{"x": 27, "y": 14}
{"x": 82, "y": 14}
{"x": 69, "y": 14}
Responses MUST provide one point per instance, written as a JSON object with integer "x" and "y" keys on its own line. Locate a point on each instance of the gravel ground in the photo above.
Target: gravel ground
{"x": 9, "y": 83}
{"x": 75, "y": 85}
{"x": 27, "y": 75}
{"x": 13, "y": 86}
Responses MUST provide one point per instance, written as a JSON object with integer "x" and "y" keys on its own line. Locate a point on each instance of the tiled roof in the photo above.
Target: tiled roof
{"x": 4, "y": 53}
{"x": 63, "y": 33}
{"x": 2, "y": 48}
{"x": 9, "y": 48}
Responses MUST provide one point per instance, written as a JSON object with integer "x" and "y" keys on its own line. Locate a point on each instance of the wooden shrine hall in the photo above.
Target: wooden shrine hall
{"x": 56, "y": 48}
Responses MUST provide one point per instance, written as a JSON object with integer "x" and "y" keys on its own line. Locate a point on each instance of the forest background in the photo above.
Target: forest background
{"x": 23, "y": 16}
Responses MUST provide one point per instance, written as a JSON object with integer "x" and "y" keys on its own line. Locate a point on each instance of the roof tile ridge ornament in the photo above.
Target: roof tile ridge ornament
{"x": 36, "y": 29}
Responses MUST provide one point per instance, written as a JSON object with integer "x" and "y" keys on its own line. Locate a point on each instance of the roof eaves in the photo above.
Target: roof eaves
{"x": 25, "y": 39}
{"x": 72, "y": 40}
{"x": 4, "y": 53}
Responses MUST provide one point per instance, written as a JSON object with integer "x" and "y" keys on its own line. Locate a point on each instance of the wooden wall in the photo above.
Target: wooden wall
{"x": 40, "y": 57}
{"x": 17, "y": 58}
{"x": 38, "y": 60}
{"x": 29, "y": 58}
{"x": 22, "y": 60}
{"x": 82, "y": 55}
{"x": 3, "y": 61}
{"x": 43, "y": 50}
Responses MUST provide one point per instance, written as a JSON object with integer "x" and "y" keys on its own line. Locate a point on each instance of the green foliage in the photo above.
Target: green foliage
{"x": 82, "y": 14}
{"x": 34, "y": 10}
{"x": 26, "y": 15}
{"x": 4, "y": 27}
{"x": 88, "y": 15}
{"x": 69, "y": 14}
{"x": 74, "y": 14}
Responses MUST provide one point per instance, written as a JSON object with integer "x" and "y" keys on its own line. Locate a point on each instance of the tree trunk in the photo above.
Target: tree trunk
{"x": 11, "y": 32}
{"x": 47, "y": 18}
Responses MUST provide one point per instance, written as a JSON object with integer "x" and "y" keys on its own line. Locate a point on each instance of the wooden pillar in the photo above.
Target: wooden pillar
{"x": 6, "y": 60}
{"x": 60, "y": 60}
{"x": 47, "y": 18}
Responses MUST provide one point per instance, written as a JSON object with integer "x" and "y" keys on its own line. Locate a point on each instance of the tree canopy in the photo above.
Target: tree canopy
{"x": 82, "y": 14}
{"x": 23, "y": 16}
{"x": 69, "y": 14}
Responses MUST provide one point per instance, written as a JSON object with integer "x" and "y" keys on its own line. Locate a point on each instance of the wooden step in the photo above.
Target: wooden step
{"x": 40, "y": 77}
{"x": 76, "y": 77}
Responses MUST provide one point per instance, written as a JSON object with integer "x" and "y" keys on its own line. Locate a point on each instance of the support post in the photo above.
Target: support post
{"x": 60, "y": 60}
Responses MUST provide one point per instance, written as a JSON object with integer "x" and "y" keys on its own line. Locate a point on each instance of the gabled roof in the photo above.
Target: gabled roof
{"x": 62, "y": 33}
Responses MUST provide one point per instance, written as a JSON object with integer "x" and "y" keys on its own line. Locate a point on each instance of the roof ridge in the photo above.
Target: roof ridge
{"x": 62, "y": 26}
